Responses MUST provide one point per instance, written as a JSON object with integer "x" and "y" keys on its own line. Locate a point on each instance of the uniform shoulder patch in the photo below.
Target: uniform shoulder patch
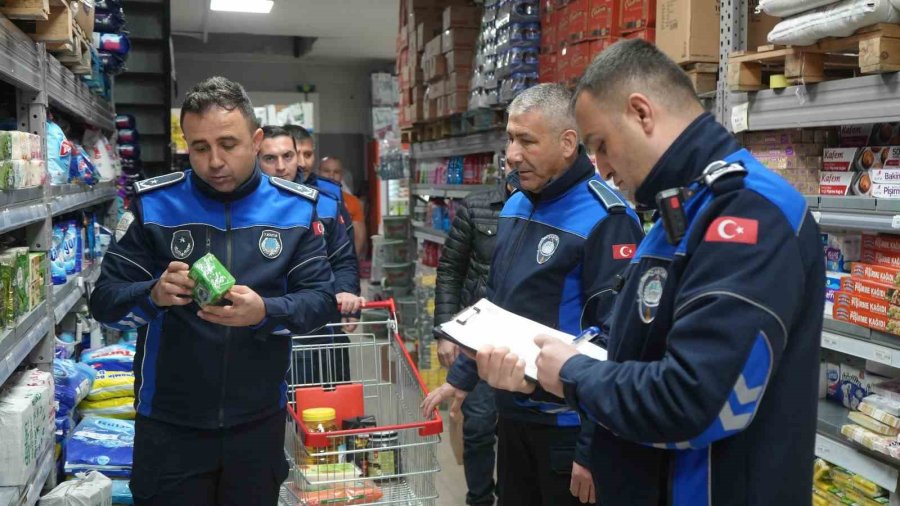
{"x": 304, "y": 191}
{"x": 606, "y": 196}
{"x": 158, "y": 182}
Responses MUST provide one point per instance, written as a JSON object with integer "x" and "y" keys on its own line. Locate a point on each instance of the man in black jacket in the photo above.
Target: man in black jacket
{"x": 461, "y": 281}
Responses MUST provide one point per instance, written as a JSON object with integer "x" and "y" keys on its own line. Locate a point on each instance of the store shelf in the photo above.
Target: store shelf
{"x": 71, "y": 197}
{"x": 867, "y": 99}
{"x": 856, "y": 213}
{"x": 448, "y": 191}
{"x": 429, "y": 234}
{"x": 485, "y": 142}
{"x": 863, "y": 347}
{"x": 832, "y": 446}
{"x": 19, "y": 57}
{"x": 21, "y": 208}
{"x": 17, "y": 343}
{"x": 67, "y": 92}
{"x": 67, "y": 295}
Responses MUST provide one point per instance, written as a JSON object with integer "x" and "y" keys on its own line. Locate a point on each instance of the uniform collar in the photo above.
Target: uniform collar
{"x": 580, "y": 170}
{"x": 702, "y": 142}
{"x": 245, "y": 188}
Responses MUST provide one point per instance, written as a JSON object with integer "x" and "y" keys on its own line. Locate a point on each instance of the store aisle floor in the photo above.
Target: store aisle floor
{"x": 451, "y": 482}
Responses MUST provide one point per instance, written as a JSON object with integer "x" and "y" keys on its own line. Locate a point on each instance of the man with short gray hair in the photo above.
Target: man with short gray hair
{"x": 561, "y": 243}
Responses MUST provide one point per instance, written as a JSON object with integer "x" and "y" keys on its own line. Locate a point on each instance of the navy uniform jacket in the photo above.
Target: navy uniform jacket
{"x": 333, "y": 189}
{"x": 189, "y": 371}
{"x": 341, "y": 254}
{"x": 709, "y": 394}
{"x": 557, "y": 257}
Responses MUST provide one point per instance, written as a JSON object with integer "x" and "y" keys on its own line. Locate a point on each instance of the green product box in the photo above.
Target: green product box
{"x": 37, "y": 269}
{"x": 7, "y": 277}
{"x": 212, "y": 280}
{"x": 5, "y": 145}
{"x": 22, "y": 281}
{"x": 7, "y": 175}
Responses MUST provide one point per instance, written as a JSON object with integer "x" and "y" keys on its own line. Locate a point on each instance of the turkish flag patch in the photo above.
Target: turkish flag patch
{"x": 318, "y": 228}
{"x": 732, "y": 229}
{"x": 623, "y": 251}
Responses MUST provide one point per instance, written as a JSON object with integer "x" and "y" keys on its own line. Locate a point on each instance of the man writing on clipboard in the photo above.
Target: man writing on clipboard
{"x": 561, "y": 243}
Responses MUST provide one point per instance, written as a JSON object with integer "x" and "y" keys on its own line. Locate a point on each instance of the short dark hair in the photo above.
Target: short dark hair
{"x": 299, "y": 133}
{"x": 219, "y": 92}
{"x": 637, "y": 65}
{"x": 271, "y": 132}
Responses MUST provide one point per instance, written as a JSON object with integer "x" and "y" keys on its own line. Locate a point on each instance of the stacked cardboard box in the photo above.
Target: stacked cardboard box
{"x": 866, "y": 164}
{"x": 870, "y": 297}
{"x": 794, "y": 154}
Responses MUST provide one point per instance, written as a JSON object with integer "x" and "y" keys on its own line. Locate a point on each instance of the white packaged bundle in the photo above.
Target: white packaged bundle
{"x": 25, "y": 409}
{"x": 836, "y": 20}
{"x": 91, "y": 489}
{"x": 785, "y": 8}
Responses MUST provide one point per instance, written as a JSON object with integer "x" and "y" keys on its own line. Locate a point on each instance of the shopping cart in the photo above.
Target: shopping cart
{"x": 384, "y": 451}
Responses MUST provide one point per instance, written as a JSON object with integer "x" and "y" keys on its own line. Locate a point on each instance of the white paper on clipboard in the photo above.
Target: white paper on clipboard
{"x": 486, "y": 324}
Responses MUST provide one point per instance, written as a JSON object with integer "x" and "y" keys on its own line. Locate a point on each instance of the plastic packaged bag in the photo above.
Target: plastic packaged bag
{"x": 121, "y": 408}
{"x": 59, "y": 152}
{"x": 116, "y": 357}
{"x": 787, "y": 8}
{"x": 121, "y": 492}
{"x": 112, "y": 43}
{"x": 73, "y": 383}
{"x": 111, "y": 385}
{"x": 837, "y": 20}
{"x": 57, "y": 256}
{"x": 92, "y": 489}
{"x": 101, "y": 444}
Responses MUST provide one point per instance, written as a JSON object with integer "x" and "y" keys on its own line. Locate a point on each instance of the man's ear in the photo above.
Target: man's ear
{"x": 257, "y": 139}
{"x": 569, "y": 142}
{"x": 640, "y": 109}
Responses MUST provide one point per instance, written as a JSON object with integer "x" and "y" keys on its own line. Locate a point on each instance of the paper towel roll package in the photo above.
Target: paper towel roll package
{"x": 26, "y": 425}
{"x": 91, "y": 489}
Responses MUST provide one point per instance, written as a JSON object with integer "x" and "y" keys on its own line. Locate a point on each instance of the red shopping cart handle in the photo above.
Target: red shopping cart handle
{"x": 377, "y": 304}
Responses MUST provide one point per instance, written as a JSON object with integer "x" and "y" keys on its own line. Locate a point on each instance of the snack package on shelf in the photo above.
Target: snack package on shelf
{"x": 883, "y": 404}
{"x": 872, "y": 424}
{"x": 875, "y": 442}
{"x": 880, "y": 415}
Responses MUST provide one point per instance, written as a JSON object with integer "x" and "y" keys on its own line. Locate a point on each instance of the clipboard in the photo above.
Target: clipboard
{"x": 485, "y": 324}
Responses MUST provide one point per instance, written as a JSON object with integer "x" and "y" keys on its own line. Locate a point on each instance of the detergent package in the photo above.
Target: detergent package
{"x": 112, "y": 385}
{"x": 212, "y": 280}
{"x": 101, "y": 444}
{"x": 59, "y": 153}
{"x": 73, "y": 383}
{"x": 116, "y": 357}
{"x": 121, "y": 408}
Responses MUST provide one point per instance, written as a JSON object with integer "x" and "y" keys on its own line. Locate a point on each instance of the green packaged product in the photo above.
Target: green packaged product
{"x": 212, "y": 280}
{"x": 7, "y": 175}
{"x": 37, "y": 267}
{"x": 5, "y": 145}
{"x": 7, "y": 276}
{"x": 22, "y": 281}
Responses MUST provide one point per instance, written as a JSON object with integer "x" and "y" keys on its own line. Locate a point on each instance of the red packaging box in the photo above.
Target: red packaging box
{"x": 867, "y": 304}
{"x": 877, "y": 273}
{"x": 598, "y": 46}
{"x": 549, "y": 37}
{"x": 870, "y": 289}
{"x": 885, "y": 243}
{"x": 579, "y": 56}
{"x": 562, "y": 66}
{"x": 603, "y": 18}
{"x": 637, "y": 14}
{"x": 578, "y": 21}
{"x": 848, "y": 314}
{"x": 547, "y": 68}
{"x": 562, "y": 27}
{"x": 876, "y": 257}
{"x": 648, "y": 34}
{"x": 461, "y": 17}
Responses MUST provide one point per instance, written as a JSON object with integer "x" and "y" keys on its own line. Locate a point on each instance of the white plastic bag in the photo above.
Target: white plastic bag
{"x": 837, "y": 20}
{"x": 92, "y": 489}
{"x": 786, "y": 8}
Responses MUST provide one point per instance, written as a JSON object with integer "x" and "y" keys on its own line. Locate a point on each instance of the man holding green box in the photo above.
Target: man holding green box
{"x": 210, "y": 390}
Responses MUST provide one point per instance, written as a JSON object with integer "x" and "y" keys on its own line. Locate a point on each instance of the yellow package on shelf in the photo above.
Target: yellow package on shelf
{"x": 872, "y": 424}
{"x": 880, "y": 415}
{"x": 869, "y": 488}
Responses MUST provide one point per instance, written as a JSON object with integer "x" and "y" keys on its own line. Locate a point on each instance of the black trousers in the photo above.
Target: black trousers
{"x": 175, "y": 465}
{"x": 534, "y": 463}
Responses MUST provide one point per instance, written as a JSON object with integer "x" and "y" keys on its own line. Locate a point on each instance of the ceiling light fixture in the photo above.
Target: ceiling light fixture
{"x": 251, "y": 6}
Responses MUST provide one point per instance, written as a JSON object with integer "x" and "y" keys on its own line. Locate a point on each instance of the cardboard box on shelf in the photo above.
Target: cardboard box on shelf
{"x": 869, "y": 288}
{"x": 638, "y": 14}
{"x": 549, "y": 36}
{"x": 839, "y": 159}
{"x": 876, "y": 257}
{"x": 547, "y": 67}
{"x": 881, "y": 242}
{"x": 461, "y": 17}
{"x": 460, "y": 61}
{"x": 860, "y": 302}
{"x": 562, "y": 27}
{"x": 457, "y": 102}
{"x": 562, "y": 65}
{"x": 835, "y": 183}
{"x": 430, "y": 109}
{"x": 885, "y": 191}
{"x": 426, "y": 31}
{"x": 414, "y": 112}
{"x": 877, "y": 273}
{"x": 848, "y": 314}
{"x": 434, "y": 68}
{"x": 433, "y": 47}
{"x": 417, "y": 94}
{"x": 579, "y": 56}
{"x": 83, "y": 11}
{"x": 758, "y": 26}
{"x": 578, "y": 12}
{"x": 788, "y": 136}
{"x": 599, "y": 45}
{"x": 457, "y": 82}
{"x": 648, "y": 34}
{"x": 885, "y": 176}
{"x": 603, "y": 18}
{"x": 402, "y": 39}
{"x": 455, "y": 39}
{"x": 683, "y": 30}
{"x": 26, "y": 425}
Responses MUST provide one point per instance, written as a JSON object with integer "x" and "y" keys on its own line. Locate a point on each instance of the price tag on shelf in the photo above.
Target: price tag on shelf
{"x": 740, "y": 118}
{"x": 895, "y": 221}
{"x": 829, "y": 341}
{"x": 884, "y": 356}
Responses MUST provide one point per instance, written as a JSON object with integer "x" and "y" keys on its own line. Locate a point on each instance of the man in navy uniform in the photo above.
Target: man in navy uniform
{"x": 561, "y": 243}
{"x": 210, "y": 381}
{"x": 709, "y": 393}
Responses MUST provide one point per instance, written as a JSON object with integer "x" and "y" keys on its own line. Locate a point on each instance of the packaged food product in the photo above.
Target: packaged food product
{"x": 321, "y": 420}
{"x": 870, "y": 289}
{"x": 21, "y": 280}
{"x": 863, "y": 303}
{"x": 883, "y": 403}
{"x": 7, "y": 282}
{"x": 878, "y": 257}
{"x": 212, "y": 280}
{"x": 841, "y": 250}
{"x": 872, "y": 424}
{"x": 5, "y": 145}
{"x": 121, "y": 408}
{"x": 57, "y": 256}
{"x": 37, "y": 267}
{"x": 880, "y": 415}
{"x": 361, "y": 492}
{"x": 835, "y": 183}
{"x": 323, "y": 476}
{"x": 885, "y": 191}
{"x": 59, "y": 153}
{"x": 867, "y": 438}
{"x": 881, "y": 274}
{"x": 869, "y": 488}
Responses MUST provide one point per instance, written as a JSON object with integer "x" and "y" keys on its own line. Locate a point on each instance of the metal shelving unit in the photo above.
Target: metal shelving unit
{"x": 429, "y": 234}
{"x": 484, "y": 142}
{"x": 450, "y": 191}
{"x": 856, "y": 213}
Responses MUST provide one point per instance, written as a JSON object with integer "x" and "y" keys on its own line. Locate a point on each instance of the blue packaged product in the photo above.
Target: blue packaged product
{"x": 59, "y": 154}
{"x": 101, "y": 444}
{"x": 116, "y": 357}
{"x": 64, "y": 425}
{"x": 79, "y": 246}
{"x": 69, "y": 234}
{"x": 57, "y": 257}
{"x": 121, "y": 492}
{"x": 112, "y": 43}
{"x": 73, "y": 383}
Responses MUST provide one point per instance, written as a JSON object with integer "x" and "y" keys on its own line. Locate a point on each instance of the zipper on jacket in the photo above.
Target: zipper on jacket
{"x": 518, "y": 244}
{"x": 227, "y": 329}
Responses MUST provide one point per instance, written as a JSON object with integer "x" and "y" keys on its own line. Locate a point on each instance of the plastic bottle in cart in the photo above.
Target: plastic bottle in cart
{"x": 321, "y": 420}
